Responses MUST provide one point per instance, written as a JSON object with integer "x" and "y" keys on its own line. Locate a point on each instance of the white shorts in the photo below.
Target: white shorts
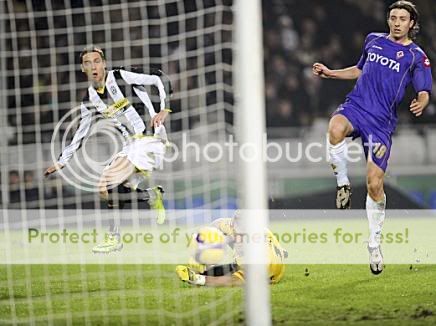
{"x": 144, "y": 153}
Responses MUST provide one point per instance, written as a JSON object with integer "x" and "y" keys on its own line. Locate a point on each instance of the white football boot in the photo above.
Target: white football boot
{"x": 375, "y": 260}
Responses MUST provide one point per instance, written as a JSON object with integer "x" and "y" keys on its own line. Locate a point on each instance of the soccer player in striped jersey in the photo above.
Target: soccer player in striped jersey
{"x": 389, "y": 63}
{"x": 121, "y": 180}
{"x": 233, "y": 274}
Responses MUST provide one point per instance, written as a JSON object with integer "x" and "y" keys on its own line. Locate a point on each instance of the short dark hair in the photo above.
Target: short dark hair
{"x": 411, "y": 9}
{"x": 90, "y": 49}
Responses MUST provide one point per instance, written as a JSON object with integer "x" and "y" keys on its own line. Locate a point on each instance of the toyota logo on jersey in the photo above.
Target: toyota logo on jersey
{"x": 384, "y": 61}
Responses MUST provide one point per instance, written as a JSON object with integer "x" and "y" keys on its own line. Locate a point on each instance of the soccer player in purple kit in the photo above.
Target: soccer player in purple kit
{"x": 389, "y": 63}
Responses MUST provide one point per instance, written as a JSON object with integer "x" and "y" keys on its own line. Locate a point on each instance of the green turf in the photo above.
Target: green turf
{"x": 343, "y": 294}
{"x": 152, "y": 295}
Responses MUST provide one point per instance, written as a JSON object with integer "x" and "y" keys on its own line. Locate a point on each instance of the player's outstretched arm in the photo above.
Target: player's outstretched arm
{"x": 323, "y": 71}
{"x": 80, "y": 134}
{"x": 419, "y": 103}
{"x": 225, "y": 280}
{"x": 188, "y": 275}
{"x": 53, "y": 169}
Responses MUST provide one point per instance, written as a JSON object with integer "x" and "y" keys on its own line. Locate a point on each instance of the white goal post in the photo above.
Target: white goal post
{"x": 250, "y": 126}
{"x": 192, "y": 42}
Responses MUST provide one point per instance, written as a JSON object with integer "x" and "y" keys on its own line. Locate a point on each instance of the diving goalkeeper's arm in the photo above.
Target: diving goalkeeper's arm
{"x": 188, "y": 275}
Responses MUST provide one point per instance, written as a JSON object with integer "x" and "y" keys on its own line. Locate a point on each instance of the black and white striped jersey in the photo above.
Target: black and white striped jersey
{"x": 113, "y": 104}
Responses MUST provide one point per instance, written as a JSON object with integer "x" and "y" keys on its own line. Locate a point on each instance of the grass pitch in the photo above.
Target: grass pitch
{"x": 152, "y": 295}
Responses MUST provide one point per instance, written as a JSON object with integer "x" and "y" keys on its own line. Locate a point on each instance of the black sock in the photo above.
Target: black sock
{"x": 121, "y": 194}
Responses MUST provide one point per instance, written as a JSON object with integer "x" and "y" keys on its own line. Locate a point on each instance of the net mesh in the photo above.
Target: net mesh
{"x": 191, "y": 41}
{"x": 41, "y": 81}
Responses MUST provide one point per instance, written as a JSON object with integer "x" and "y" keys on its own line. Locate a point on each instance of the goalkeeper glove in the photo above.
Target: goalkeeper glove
{"x": 188, "y": 275}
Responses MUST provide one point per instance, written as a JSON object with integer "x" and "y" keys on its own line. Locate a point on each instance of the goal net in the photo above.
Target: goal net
{"x": 191, "y": 41}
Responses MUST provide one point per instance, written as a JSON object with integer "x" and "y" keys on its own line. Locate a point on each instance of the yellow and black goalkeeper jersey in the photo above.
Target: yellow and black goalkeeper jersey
{"x": 276, "y": 254}
{"x": 225, "y": 225}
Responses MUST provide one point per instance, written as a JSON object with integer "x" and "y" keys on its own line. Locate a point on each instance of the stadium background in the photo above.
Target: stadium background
{"x": 192, "y": 42}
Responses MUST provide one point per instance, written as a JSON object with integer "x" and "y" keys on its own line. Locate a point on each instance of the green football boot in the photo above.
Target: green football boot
{"x": 157, "y": 204}
{"x": 112, "y": 242}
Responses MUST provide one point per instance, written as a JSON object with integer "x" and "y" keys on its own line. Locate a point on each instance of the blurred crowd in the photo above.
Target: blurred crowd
{"x": 191, "y": 41}
{"x": 295, "y": 36}
{"x": 44, "y": 48}
{"x": 331, "y": 32}
{"x": 25, "y": 191}
{"x": 40, "y": 45}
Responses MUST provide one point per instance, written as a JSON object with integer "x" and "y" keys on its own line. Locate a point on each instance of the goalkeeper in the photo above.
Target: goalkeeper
{"x": 121, "y": 180}
{"x": 233, "y": 274}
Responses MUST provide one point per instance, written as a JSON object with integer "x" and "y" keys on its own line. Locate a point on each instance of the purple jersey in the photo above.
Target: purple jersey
{"x": 387, "y": 69}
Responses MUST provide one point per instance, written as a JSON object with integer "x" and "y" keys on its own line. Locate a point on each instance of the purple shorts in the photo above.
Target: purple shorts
{"x": 376, "y": 140}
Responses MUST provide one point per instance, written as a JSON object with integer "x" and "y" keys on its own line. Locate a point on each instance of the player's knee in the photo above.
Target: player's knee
{"x": 339, "y": 128}
{"x": 102, "y": 189}
{"x": 336, "y": 133}
{"x": 110, "y": 178}
{"x": 104, "y": 194}
{"x": 374, "y": 185}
